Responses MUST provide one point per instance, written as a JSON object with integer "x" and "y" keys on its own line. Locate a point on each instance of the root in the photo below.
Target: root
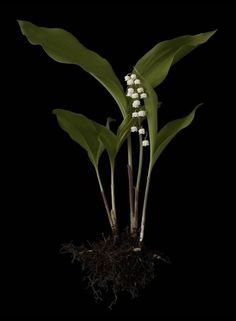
{"x": 114, "y": 265}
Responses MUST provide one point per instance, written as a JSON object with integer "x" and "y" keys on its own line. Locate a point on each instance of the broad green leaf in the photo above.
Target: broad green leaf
{"x": 82, "y": 131}
{"x": 109, "y": 140}
{"x": 101, "y": 146}
{"x": 112, "y": 142}
{"x": 169, "y": 131}
{"x": 63, "y": 47}
{"x": 90, "y": 135}
{"x": 155, "y": 64}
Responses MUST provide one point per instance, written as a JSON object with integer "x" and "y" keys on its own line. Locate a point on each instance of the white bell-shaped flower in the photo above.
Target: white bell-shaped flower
{"x": 127, "y": 78}
{"x": 141, "y": 131}
{"x": 135, "y": 95}
{"x": 145, "y": 142}
{"x": 130, "y": 82}
{"x": 134, "y": 129}
{"x": 133, "y": 76}
{"x": 143, "y": 95}
{"x": 136, "y": 103}
{"x": 135, "y": 114}
{"x": 137, "y": 82}
{"x": 142, "y": 113}
{"x": 140, "y": 90}
{"x": 131, "y": 90}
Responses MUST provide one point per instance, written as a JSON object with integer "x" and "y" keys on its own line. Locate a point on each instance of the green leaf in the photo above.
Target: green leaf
{"x": 169, "y": 131}
{"x": 82, "y": 131}
{"x": 155, "y": 64}
{"x": 90, "y": 135}
{"x": 63, "y": 47}
{"x": 109, "y": 140}
{"x": 101, "y": 146}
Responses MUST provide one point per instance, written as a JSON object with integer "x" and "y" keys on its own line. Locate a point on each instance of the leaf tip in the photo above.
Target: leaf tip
{"x": 211, "y": 33}
{"x": 21, "y": 25}
{"x": 199, "y": 105}
{"x": 196, "y": 108}
{"x": 55, "y": 111}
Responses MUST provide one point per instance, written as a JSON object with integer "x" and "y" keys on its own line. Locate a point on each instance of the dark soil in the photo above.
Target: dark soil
{"x": 115, "y": 265}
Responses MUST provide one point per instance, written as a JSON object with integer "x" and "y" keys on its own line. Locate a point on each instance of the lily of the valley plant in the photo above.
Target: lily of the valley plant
{"x": 138, "y": 104}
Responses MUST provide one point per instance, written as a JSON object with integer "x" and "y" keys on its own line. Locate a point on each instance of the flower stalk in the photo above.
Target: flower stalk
{"x": 136, "y": 92}
{"x": 138, "y": 183}
{"x": 144, "y": 212}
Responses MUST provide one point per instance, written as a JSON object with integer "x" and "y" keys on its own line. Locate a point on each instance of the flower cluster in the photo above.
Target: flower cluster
{"x": 136, "y": 92}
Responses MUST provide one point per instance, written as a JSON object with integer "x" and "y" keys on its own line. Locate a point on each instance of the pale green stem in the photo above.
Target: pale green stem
{"x": 104, "y": 200}
{"x": 113, "y": 201}
{"x": 130, "y": 157}
{"x": 131, "y": 187}
{"x": 138, "y": 183}
{"x": 144, "y": 212}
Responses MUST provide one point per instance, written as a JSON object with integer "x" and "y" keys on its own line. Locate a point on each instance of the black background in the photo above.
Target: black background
{"x": 50, "y": 190}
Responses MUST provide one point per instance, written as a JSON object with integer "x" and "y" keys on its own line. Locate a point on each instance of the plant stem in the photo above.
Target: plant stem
{"x": 138, "y": 184}
{"x": 131, "y": 187}
{"x": 131, "y": 201}
{"x": 144, "y": 208}
{"x": 113, "y": 200}
{"x": 104, "y": 199}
